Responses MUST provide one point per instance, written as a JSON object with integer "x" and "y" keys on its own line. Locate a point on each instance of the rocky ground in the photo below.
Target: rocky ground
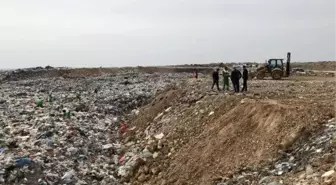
{"x": 164, "y": 128}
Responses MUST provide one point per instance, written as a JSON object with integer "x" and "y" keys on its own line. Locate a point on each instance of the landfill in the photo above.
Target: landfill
{"x": 159, "y": 127}
{"x": 65, "y": 130}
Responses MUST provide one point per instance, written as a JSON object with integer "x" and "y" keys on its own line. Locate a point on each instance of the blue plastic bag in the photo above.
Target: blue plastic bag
{"x": 21, "y": 162}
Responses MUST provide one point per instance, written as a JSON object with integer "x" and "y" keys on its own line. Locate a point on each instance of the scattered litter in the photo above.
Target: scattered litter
{"x": 107, "y": 146}
{"x": 159, "y": 136}
{"x": 61, "y": 124}
{"x": 23, "y": 162}
{"x": 328, "y": 173}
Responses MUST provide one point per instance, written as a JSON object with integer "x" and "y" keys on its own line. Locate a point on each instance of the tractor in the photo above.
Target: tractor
{"x": 275, "y": 68}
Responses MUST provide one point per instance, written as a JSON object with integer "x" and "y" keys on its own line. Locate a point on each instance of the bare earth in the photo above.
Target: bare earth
{"x": 210, "y": 135}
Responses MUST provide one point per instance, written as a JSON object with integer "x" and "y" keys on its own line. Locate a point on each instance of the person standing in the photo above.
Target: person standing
{"x": 226, "y": 76}
{"x": 195, "y": 74}
{"x": 245, "y": 77}
{"x": 235, "y": 77}
{"x": 215, "y": 79}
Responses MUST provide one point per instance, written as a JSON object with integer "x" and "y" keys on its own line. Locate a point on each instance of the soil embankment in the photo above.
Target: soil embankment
{"x": 210, "y": 136}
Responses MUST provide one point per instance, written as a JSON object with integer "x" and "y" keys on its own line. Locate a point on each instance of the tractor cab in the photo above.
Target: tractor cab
{"x": 274, "y": 63}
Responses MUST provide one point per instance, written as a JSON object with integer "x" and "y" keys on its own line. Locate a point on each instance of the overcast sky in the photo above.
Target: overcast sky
{"x": 156, "y": 32}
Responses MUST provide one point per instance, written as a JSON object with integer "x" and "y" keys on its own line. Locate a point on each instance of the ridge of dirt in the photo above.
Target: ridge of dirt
{"x": 226, "y": 144}
{"x": 208, "y": 135}
{"x": 320, "y": 66}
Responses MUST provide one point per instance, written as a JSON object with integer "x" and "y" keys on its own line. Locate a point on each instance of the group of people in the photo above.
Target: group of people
{"x": 235, "y": 76}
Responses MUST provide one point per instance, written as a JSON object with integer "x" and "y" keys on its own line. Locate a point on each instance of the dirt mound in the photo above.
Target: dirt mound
{"x": 209, "y": 135}
{"x": 37, "y": 73}
{"x": 247, "y": 134}
{"x": 159, "y": 104}
{"x": 321, "y": 66}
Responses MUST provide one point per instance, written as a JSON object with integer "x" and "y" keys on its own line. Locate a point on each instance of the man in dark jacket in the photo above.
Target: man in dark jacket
{"x": 245, "y": 77}
{"x": 235, "y": 77}
{"x": 215, "y": 79}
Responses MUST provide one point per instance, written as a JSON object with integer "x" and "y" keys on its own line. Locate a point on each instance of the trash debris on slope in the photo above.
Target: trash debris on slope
{"x": 70, "y": 135}
{"x": 300, "y": 159}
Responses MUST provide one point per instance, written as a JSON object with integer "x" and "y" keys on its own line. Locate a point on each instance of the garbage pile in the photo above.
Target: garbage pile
{"x": 17, "y": 74}
{"x": 66, "y": 131}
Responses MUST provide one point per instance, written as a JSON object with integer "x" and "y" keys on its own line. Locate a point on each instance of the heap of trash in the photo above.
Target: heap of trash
{"x": 66, "y": 131}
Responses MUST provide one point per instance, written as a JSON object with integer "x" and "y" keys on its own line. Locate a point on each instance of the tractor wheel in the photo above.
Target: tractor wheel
{"x": 260, "y": 75}
{"x": 277, "y": 74}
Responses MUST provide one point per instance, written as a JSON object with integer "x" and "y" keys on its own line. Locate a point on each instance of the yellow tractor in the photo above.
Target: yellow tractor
{"x": 275, "y": 68}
